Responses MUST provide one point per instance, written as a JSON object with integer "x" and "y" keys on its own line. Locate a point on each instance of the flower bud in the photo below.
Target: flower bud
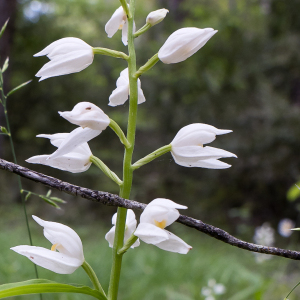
{"x": 183, "y": 43}
{"x": 156, "y": 16}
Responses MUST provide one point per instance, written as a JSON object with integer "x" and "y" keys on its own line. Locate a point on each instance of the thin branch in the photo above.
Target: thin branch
{"x": 114, "y": 200}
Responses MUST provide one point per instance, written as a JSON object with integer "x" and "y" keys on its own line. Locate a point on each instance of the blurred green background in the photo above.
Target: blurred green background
{"x": 246, "y": 78}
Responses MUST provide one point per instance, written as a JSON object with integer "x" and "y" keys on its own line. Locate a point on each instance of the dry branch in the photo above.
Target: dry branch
{"x": 114, "y": 200}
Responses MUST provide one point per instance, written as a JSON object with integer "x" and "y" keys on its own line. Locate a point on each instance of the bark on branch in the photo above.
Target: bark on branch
{"x": 114, "y": 200}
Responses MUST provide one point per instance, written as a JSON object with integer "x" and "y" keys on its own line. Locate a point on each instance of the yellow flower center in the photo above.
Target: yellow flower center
{"x": 161, "y": 224}
{"x": 54, "y": 247}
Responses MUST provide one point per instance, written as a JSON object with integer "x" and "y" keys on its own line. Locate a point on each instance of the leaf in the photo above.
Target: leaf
{"x": 5, "y": 65}
{"x": 49, "y": 201}
{"x": 18, "y": 87}
{"x": 293, "y": 192}
{"x": 58, "y": 200}
{"x": 3, "y": 28}
{"x": 48, "y": 193}
{"x": 38, "y": 286}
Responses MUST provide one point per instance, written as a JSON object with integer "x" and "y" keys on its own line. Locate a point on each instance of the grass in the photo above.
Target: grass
{"x": 150, "y": 273}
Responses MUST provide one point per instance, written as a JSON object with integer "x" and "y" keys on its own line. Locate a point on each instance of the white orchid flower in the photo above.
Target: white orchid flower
{"x": 183, "y": 43}
{"x": 76, "y": 160}
{"x": 156, "y": 16}
{"x": 118, "y": 21}
{"x": 129, "y": 229}
{"x": 67, "y": 55}
{"x": 64, "y": 239}
{"x": 157, "y": 215}
{"x": 120, "y": 95}
{"x": 188, "y": 150}
{"x": 86, "y": 114}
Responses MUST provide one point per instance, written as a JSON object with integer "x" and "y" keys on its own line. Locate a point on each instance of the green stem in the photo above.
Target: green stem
{"x": 292, "y": 290}
{"x": 142, "y": 30}
{"x": 127, "y": 170}
{"x": 109, "y": 52}
{"x": 125, "y": 7}
{"x": 155, "y": 154}
{"x": 119, "y": 132}
{"x": 128, "y": 244}
{"x": 93, "y": 277}
{"x": 106, "y": 170}
{"x": 4, "y": 98}
{"x": 147, "y": 66}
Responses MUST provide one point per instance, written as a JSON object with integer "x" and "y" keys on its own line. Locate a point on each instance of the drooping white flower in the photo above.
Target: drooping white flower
{"x": 76, "y": 160}
{"x": 183, "y": 43}
{"x": 188, "y": 150}
{"x": 118, "y": 21}
{"x": 129, "y": 229}
{"x": 156, "y": 16}
{"x": 157, "y": 215}
{"x": 86, "y": 114}
{"x": 120, "y": 95}
{"x": 67, "y": 55}
{"x": 285, "y": 226}
{"x": 64, "y": 239}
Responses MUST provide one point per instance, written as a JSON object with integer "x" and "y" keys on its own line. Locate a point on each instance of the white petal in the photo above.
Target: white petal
{"x": 75, "y": 138}
{"x": 67, "y": 239}
{"x": 195, "y": 138}
{"x": 183, "y": 43}
{"x": 154, "y": 213}
{"x": 205, "y": 163}
{"x": 125, "y": 33}
{"x": 115, "y": 21}
{"x": 67, "y": 63}
{"x": 55, "y": 139}
{"x": 123, "y": 78}
{"x": 119, "y": 96}
{"x": 174, "y": 244}
{"x": 166, "y": 203}
{"x": 110, "y": 236}
{"x": 191, "y": 154}
{"x": 62, "y": 41}
{"x": 156, "y": 16}
{"x": 54, "y": 261}
{"x": 150, "y": 234}
{"x": 141, "y": 96}
{"x": 71, "y": 162}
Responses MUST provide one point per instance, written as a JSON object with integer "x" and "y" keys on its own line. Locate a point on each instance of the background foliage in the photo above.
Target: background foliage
{"x": 246, "y": 79}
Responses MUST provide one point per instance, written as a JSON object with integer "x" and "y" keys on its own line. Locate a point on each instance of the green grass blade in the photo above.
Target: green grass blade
{"x": 38, "y": 286}
{"x": 18, "y": 87}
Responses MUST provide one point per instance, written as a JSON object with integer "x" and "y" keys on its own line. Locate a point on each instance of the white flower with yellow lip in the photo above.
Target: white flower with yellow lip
{"x": 157, "y": 215}
{"x": 64, "y": 239}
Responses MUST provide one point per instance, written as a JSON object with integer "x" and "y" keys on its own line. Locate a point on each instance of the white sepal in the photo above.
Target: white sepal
{"x": 156, "y": 16}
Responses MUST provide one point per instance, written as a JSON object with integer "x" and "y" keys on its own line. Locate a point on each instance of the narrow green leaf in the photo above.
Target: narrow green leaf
{"x": 48, "y": 193}
{"x": 58, "y": 200}
{"x": 293, "y": 192}
{"x": 18, "y": 87}
{"x": 38, "y": 286}
{"x": 27, "y": 196}
{"x": 49, "y": 201}
{"x": 5, "y": 65}
{"x": 3, "y": 28}
{"x": 4, "y": 130}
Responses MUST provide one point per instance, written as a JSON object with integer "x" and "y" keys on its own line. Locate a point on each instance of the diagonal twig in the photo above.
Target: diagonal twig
{"x": 114, "y": 200}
